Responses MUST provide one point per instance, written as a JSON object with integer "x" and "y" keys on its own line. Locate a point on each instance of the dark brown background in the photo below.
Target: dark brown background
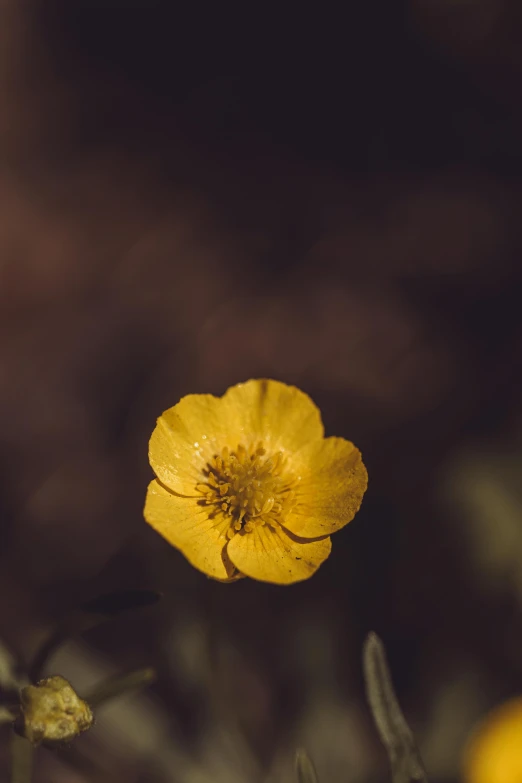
{"x": 192, "y": 195}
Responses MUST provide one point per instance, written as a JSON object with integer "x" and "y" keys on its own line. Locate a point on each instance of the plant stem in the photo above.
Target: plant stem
{"x": 21, "y": 759}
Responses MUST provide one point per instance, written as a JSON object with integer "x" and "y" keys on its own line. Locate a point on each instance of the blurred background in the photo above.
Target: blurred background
{"x": 192, "y": 195}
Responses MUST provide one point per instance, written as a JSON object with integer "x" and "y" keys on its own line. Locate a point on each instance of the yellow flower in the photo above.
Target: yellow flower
{"x": 494, "y": 752}
{"x": 247, "y": 484}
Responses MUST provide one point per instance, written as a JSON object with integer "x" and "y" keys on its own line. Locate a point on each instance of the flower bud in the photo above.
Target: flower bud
{"x": 52, "y": 712}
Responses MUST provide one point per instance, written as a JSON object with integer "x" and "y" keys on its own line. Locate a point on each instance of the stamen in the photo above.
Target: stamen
{"x": 253, "y": 488}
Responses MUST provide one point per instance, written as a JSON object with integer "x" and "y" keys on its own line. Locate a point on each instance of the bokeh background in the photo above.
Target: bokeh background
{"x": 195, "y": 194}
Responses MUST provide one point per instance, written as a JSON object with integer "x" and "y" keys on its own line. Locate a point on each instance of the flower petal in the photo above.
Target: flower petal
{"x": 273, "y": 555}
{"x": 185, "y": 438}
{"x": 187, "y": 526}
{"x": 282, "y": 416}
{"x": 189, "y": 434}
{"x": 333, "y": 482}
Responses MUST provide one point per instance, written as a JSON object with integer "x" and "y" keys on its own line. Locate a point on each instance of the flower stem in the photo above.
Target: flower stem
{"x": 21, "y": 759}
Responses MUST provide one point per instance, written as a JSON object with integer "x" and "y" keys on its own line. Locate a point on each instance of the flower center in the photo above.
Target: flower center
{"x": 249, "y": 486}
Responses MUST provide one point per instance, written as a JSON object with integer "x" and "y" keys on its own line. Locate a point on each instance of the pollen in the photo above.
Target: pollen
{"x": 249, "y": 486}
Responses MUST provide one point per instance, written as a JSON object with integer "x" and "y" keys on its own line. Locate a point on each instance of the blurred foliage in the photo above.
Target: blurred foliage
{"x": 190, "y": 198}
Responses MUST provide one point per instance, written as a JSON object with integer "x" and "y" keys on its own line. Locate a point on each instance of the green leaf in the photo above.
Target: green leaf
{"x": 89, "y": 615}
{"x": 119, "y": 685}
{"x": 304, "y": 767}
{"x": 396, "y": 736}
